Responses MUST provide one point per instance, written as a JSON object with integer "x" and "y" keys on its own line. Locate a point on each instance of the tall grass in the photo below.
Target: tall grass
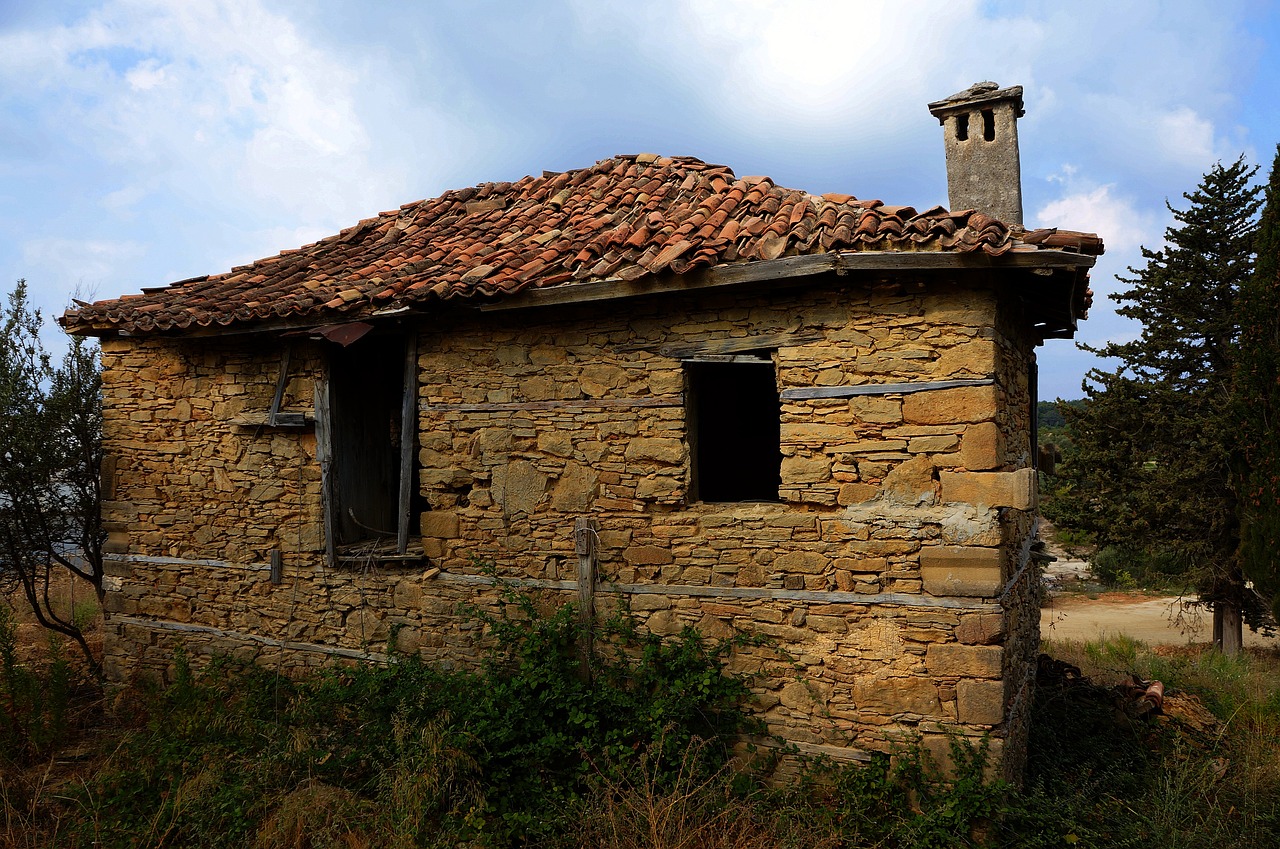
{"x": 528, "y": 752}
{"x": 1177, "y": 781}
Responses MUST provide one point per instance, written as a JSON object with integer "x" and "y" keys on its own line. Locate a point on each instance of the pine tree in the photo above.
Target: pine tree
{"x": 1257, "y": 405}
{"x": 1151, "y": 475}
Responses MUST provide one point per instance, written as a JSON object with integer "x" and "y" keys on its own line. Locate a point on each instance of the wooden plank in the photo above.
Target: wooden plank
{"x": 324, "y": 455}
{"x": 613, "y": 289}
{"x": 283, "y": 420}
{"x": 566, "y": 404}
{"x": 277, "y": 566}
{"x": 747, "y": 359}
{"x": 808, "y": 393}
{"x": 281, "y": 382}
{"x": 185, "y": 628}
{"x": 688, "y": 590}
{"x": 790, "y": 268}
{"x": 733, "y": 345}
{"x": 408, "y": 440}
{"x": 382, "y": 558}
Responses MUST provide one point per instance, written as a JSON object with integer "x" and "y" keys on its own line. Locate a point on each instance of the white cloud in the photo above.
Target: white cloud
{"x": 221, "y": 103}
{"x": 1122, "y": 226}
{"x": 800, "y": 69}
{"x": 146, "y": 75}
{"x": 72, "y": 266}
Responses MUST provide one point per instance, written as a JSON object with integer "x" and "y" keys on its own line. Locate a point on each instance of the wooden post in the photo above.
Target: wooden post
{"x": 408, "y": 442}
{"x": 324, "y": 454}
{"x": 281, "y": 382}
{"x": 584, "y": 544}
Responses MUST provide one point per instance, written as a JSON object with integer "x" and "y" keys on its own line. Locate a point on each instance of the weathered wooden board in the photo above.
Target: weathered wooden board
{"x": 806, "y": 393}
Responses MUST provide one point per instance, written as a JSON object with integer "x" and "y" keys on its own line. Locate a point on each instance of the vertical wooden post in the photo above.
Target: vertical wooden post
{"x": 408, "y": 441}
{"x": 584, "y": 544}
{"x": 324, "y": 454}
{"x": 281, "y": 382}
{"x": 277, "y": 566}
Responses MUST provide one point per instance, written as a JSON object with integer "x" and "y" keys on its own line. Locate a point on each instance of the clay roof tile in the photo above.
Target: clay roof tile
{"x": 623, "y": 218}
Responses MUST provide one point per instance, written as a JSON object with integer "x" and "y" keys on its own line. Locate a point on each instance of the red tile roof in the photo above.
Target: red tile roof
{"x": 623, "y": 218}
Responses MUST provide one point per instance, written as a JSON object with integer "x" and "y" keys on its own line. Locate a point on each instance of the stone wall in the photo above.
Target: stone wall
{"x": 889, "y": 574}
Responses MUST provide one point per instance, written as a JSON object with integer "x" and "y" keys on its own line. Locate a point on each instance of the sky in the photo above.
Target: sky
{"x": 148, "y": 141}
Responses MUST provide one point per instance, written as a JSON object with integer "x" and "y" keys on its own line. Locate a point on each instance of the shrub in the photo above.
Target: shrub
{"x": 33, "y": 699}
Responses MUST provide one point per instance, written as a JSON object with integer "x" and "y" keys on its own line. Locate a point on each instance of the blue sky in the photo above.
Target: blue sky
{"x": 145, "y": 141}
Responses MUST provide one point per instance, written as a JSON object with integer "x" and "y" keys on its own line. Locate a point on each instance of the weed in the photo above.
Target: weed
{"x": 33, "y": 701}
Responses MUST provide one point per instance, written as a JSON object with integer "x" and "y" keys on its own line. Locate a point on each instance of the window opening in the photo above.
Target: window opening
{"x": 734, "y": 426}
{"x": 962, "y": 127}
{"x": 988, "y": 125}
{"x": 370, "y": 430}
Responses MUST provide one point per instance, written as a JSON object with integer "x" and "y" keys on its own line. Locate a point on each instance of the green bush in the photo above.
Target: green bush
{"x": 502, "y": 754}
{"x": 1129, "y": 568}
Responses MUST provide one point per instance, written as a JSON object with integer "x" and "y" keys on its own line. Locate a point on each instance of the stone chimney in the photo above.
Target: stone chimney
{"x": 980, "y": 135}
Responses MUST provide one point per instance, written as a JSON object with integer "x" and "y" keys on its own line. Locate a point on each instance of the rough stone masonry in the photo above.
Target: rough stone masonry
{"x": 891, "y": 574}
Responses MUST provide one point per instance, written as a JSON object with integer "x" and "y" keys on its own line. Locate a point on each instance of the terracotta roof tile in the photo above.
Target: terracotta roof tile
{"x": 624, "y": 218}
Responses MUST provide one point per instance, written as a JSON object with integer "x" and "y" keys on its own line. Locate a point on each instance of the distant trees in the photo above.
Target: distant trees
{"x": 50, "y": 458}
{"x": 1257, "y": 405}
{"x": 1155, "y": 439}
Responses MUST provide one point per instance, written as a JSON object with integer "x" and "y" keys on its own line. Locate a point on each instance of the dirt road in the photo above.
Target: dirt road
{"x": 1154, "y": 620}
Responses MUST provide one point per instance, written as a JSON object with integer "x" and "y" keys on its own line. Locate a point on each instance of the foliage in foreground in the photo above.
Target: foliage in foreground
{"x": 50, "y": 466}
{"x": 527, "y": 752}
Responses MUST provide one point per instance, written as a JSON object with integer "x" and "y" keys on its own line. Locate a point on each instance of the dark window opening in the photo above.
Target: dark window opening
{"x": 370, "y": 428}
{"x": 988, "y": 125}
{"x": 734, "y": 430}
{"x": 962, "y": 128}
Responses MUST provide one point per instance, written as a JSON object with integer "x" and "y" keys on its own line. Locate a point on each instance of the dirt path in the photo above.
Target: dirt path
{"x": 1154, "y": 620}
{"x": 1071, "y": 614}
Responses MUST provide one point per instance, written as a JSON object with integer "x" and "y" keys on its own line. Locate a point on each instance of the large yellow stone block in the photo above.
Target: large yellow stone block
{"x": 962, "y": 570}
{"x": 947, "y": 659}
{"x": 980, "y": 702}
{"x": 439, "y": 524}
{"x": 991, "y": 489}
{"x": 948, "y": 406}
{"x": 982, "y": 447}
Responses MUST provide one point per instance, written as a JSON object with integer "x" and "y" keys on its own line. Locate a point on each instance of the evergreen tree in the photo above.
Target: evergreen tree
{"x": 1257, "y": 405}
{"x": 1151, "y": 474}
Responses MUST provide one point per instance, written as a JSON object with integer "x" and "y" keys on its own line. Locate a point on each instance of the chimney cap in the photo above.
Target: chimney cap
{"x": 977, "y": 94}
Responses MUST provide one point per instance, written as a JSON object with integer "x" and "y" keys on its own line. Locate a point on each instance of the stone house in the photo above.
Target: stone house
{"x": 731, "y": 405}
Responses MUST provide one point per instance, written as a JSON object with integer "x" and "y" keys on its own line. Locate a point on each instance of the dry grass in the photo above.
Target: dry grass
{"x": 695, "y": 812}
{"x": 1219, "y": 781}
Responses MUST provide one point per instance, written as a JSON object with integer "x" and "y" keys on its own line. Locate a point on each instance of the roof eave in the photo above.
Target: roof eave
{"x": 785, "y": 268}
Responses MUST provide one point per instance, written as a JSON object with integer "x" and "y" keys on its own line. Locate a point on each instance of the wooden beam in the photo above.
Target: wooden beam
{"x": 328, "y": 480}
{"x": 808, "y": 393}
{"x": 729, "y": 345}
{"x": 566, "y": 404}
{"x": 789, "y": 268}
{"x": 919, "y": 600}
{"x": 281, "y": 382}
{"x": 584, "y": 545}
